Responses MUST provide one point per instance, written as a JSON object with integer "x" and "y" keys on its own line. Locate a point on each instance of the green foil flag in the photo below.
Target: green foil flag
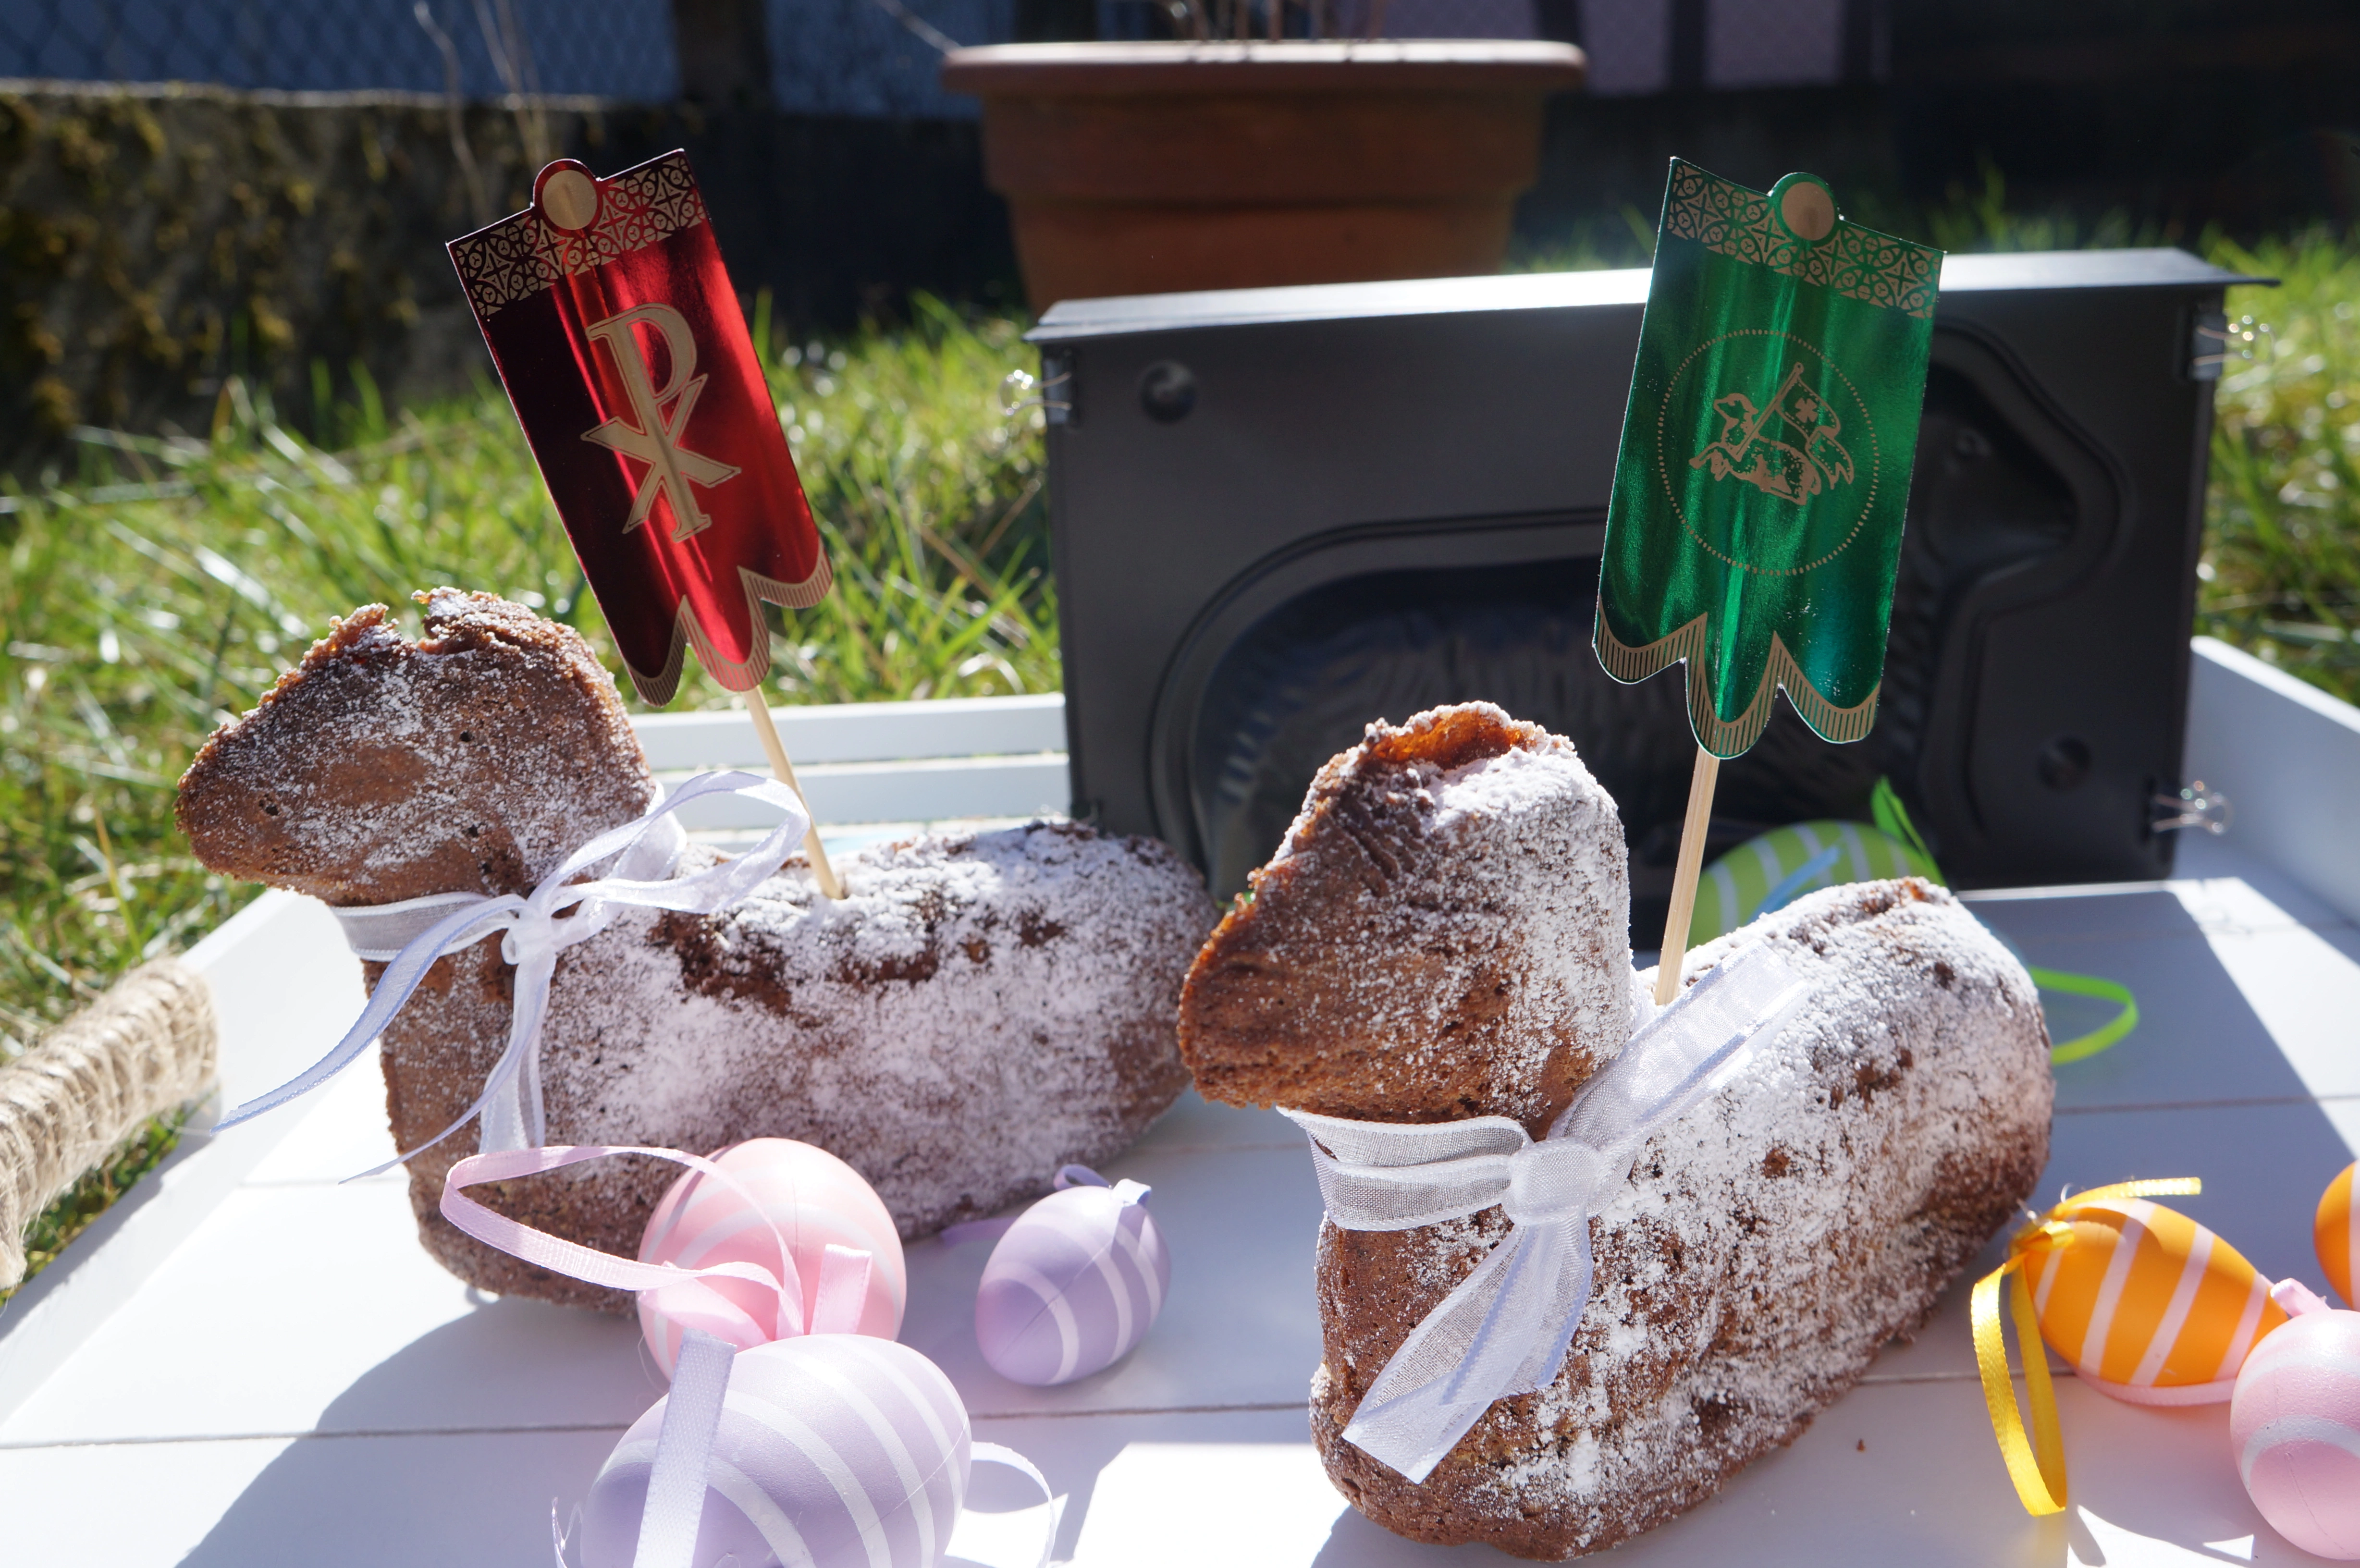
{"x": 1767, "y": 452}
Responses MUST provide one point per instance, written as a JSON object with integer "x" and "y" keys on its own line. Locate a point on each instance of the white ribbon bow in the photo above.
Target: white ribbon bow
{"x": 1505, "y": 1329}
{"x": 408, "y": 936}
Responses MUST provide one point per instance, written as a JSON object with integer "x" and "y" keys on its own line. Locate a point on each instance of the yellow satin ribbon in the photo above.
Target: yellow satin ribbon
{"x": 2036, "y": 1462}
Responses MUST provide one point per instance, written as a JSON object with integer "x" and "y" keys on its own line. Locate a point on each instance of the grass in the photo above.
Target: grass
{"x": 2281, "y": 567}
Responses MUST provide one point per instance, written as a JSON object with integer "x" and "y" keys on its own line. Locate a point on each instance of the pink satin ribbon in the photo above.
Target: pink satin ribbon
{"x": 836, "y": 1303}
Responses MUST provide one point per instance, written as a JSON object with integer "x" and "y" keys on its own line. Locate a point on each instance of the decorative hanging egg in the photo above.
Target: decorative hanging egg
{"x": 1074, "y": 1284}
{"x": 1773, "y": 870}
{"x": 812, "y": 1198}
{"x": 2294, "y": 1431}
{"x": 2336, "y": 1233}
{"x": 2148, "y": 1305}
{"x": 835, "y": 1450}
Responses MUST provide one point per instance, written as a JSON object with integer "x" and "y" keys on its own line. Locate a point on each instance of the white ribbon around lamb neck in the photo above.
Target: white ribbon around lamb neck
{"x": 1506, "y": 1329}
{"x": 534, "y": 927}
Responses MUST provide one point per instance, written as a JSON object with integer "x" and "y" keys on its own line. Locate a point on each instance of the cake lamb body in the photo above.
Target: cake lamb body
{"x": 1768, "y": 1241}
{"x": 979, "y": 1009}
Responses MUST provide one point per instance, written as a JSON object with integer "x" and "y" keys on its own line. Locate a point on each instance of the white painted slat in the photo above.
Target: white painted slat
{"x": 284, "y": 988}
{"x": 859, "y": 732}
{"x": 2286, "y": 755}
{"x": 927, "y": 789}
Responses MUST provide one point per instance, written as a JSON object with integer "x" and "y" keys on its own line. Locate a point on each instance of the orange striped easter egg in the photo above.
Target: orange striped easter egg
{"x": 2336, "y": 1233}
{"x": 2147, "y": 1304}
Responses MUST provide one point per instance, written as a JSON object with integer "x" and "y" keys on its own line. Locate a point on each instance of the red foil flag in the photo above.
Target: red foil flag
{"x": 624, "y": 352}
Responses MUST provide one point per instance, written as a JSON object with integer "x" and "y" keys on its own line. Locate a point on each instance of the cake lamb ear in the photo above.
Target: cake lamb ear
{"x": 471, "y": 760}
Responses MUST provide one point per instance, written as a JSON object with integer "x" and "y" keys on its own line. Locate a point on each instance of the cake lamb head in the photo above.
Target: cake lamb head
{"x": 381, "y": 769}
{"x": 1767, "y": 1241}
{"x": 978, "y": 1010}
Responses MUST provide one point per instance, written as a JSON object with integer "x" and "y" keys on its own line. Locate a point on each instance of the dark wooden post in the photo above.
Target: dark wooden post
{"x": 1690, "y": 21}
{"x": 1559, "y": 19}
{"x": 1056, "y": 21}
{"x": 724, "y": 52}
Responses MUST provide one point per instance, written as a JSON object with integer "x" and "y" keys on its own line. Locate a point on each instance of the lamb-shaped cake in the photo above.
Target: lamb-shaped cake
{"x": 979, "y": 1009}
{"x": 1443, "y": 936}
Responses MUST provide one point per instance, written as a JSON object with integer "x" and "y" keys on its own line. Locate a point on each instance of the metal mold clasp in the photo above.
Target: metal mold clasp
{"x": 2197, "y": 806}
{"x": 2213, "y": 343}
{"x": 1056, "y": 370}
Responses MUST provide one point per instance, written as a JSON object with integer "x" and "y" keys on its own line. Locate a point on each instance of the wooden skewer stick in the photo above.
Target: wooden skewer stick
{"x": 1670, "y": 962}
{"x": 784, "y": 771}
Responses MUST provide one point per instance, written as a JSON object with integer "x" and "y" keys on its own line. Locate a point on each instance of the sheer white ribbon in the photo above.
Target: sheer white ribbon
{"x": 408, "y": 936}
{"x": 1505, "y": 1329}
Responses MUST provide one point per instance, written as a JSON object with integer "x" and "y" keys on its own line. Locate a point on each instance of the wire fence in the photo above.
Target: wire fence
{"x": 838, "y": 57}
{"x": 618, "y": 49}
{"x": 826, "y": 56}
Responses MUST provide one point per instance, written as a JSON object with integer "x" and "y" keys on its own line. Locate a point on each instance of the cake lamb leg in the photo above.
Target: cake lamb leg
{"x": 1767, "y": 1242}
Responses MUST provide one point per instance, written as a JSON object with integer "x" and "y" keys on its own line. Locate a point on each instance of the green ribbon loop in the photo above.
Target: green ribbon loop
{"x": 2080, "y": 1048}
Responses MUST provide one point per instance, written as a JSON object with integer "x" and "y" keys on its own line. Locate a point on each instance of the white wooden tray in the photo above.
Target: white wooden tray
{"x": 256, "y": 1366}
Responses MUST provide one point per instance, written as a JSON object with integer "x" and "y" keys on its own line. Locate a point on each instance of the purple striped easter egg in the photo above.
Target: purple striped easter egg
{"x": 1073, "y": 1286}
{"x": 835, "y": 1450}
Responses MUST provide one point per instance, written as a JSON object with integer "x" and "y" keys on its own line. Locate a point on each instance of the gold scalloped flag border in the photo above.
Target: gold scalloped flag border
{"x": 1692, "y": 644}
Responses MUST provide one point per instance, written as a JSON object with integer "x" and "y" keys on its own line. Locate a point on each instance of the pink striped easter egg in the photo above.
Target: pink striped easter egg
{"x": 2294, "y": 1431}
{"x": 1074, "y": 1284}
{"x": 834, "y": 1450}
{"x": 812, "y": 1198}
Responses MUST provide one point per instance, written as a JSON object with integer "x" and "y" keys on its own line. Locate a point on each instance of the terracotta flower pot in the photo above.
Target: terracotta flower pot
{"x": 1143, "y": 168}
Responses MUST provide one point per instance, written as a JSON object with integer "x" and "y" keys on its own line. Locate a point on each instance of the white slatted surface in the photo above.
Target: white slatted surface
{"x": 959, "y": 758}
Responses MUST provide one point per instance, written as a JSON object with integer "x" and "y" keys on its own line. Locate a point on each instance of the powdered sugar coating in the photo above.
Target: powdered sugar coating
{"x": 1767, "y": 1244}
{"x": 977, "y": 1011}
{"x": 361, "y": 777}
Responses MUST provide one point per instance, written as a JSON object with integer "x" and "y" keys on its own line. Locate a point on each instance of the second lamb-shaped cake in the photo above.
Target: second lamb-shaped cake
{"x": 1443, "y": 936}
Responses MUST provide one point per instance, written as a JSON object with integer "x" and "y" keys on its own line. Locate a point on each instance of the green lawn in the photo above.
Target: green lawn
{"x": 161, "y": 586}
{"x": 2282, "y": 570}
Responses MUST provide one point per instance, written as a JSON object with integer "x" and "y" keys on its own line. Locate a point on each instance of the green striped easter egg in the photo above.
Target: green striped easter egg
{"x": 1770, "y": 872}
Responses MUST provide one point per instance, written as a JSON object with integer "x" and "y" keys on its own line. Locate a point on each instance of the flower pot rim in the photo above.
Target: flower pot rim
{"x": 1417, "y": 65}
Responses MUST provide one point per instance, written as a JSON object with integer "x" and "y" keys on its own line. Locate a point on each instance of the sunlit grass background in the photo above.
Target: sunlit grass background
{"x": 163, "y": 585}
{"x": 2281, "y": 567}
